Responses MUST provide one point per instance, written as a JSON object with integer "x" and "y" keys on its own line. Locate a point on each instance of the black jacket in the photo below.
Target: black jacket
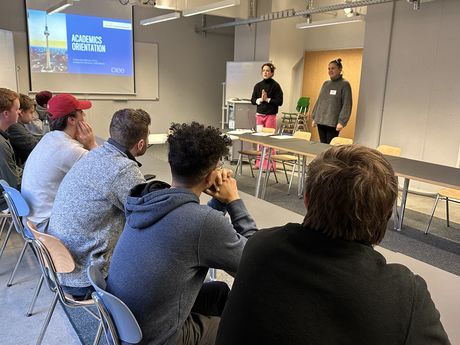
{"x": 275, "y": 94}
{"x": 298, "y": 286}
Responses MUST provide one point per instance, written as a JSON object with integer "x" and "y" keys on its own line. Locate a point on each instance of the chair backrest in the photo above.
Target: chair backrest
{"x": 389, "y": 150}
{"x": 118, "y": 320}
{"x": 341, "y": 141}
{"x": 302, "y": 135}
{"x": 55, "y": 254}
{"x": 302, "y": 104}
{"x": 17, "y": 205}
{"x": 268, "y": 130}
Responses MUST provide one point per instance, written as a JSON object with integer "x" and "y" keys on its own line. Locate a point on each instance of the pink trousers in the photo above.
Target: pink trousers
{"x": 268, "y": 121}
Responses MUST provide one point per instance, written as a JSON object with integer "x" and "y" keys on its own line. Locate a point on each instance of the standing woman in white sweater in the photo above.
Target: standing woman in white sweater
{"x": 333, "y": 107}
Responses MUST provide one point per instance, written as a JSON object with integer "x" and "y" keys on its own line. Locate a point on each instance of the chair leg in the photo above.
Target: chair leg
{"x": 274, "y": 174}
{"x": 432, "y": 214}
{"x": 47, "y": 319}
{"x": 10, "y": 280}
{"x": 239, "y": 164}
{"x": 36, "y": 293}
{"x": 285, "y": 173}
{"x": 250, "y": 166}
{"x": 292, "y": 177}
{"x": 2, "y": 226}
{"x": 447, "y": 211}
{"x": 5, "y": 241}
{"x": 98, "y": 333}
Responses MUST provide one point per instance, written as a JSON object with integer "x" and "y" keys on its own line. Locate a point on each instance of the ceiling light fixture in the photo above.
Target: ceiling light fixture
{"x": 59, "y": 7}
{"x": 159, "y": 19}
{"x": 328, "y": 22}
{"x": 210, "y": 7}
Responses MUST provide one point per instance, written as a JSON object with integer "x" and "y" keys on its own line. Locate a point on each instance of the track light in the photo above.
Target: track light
{"x": 210, "y": 7}
{"x": 59, "y": 7}
{"x": 328, "y": 22}
{"x": 159, "y": 19}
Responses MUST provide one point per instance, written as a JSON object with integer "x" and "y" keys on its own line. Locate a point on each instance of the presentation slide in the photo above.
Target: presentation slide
{"x": 80, "y": 53}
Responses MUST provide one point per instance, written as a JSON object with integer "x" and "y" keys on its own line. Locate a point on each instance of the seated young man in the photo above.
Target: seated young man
{"x": 70, "y": 139}
{"x": 170, "y": 241}
{"x": 22, "y": 140}
{"x": 88, "y": 212}
{"x": 322, "y": 282}
{"x": 9, "y": 170}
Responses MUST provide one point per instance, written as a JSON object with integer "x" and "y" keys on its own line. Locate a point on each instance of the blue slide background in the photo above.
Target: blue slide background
{"x": 118, "y": 58}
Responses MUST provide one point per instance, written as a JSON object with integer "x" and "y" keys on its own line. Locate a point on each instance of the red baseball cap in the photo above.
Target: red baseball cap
{"x": 64, "y": 104}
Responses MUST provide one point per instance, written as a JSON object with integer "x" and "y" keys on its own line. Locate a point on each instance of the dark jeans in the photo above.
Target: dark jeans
{"x": 326, "y": 133}
{"x": 200, "y": 328}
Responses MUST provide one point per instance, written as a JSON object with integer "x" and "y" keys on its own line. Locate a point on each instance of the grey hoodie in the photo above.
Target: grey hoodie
{"x": 165, "y": 250}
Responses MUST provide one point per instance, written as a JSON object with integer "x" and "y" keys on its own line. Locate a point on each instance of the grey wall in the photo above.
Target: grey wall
{"x": 419, "y": 107}
{"x": 191, "y": 68}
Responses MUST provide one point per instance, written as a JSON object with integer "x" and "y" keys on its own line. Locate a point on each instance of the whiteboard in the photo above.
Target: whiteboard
{"x": 241, "y": 78}
{"x": 7, "y": 62}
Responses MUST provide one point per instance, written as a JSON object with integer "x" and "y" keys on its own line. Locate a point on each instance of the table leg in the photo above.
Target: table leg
{"x": 403, "y": 205}
{"x": 267, "y": 175}
{"x": 259, "y": 177}
{"x": 301, "y": 178}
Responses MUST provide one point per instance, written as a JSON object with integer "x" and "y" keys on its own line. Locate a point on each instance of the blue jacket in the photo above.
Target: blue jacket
{"x": 165, "y": 250}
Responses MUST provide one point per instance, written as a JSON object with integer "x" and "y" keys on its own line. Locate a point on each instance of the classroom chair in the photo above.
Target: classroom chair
{"x": 118, "y": 322}
{"x": 389, "y": 150}
{"x": 54, "y": 258}
{"x": 341, "y": 141}
{"x": 447, "y": 194}
{"x": 287, "y": 158}
{"x": 252, "y": 155}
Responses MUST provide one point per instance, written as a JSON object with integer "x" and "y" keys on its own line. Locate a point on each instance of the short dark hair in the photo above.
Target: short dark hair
{"x": 128, "y": 126}
{"x": 194, "y": 150}
{"x": 269, "y": 65}
{"x": 26, "y": 102}
{"x": 350, "y": 192}
{"x": 337, "y": 62}
{"x": 60, "y": 123}
{"x": 7, "y": 98}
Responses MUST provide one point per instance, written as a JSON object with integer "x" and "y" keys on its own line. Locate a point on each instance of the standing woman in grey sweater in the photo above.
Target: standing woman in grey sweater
{"x": 333, "y": 107}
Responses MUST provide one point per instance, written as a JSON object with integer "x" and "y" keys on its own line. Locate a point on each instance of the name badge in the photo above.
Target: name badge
{"x": 333, "y": 92}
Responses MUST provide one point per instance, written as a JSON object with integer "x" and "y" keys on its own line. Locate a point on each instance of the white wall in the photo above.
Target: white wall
{"x": 280, "y": 42}
{"x": 191, "y": 69}
{"x": 420, "y": 103}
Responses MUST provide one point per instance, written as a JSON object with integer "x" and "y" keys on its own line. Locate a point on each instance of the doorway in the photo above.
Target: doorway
{"x": 315, "y": 73}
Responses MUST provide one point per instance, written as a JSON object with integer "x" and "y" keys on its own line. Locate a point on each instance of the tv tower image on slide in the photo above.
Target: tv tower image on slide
{"x": 47, "y": 67}
{"x": 48, "y": 42}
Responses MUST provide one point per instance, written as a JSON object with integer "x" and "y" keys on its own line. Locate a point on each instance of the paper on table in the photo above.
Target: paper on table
{"x": 282, "y": 136}
{"x": 240, "y": 131}
{"x": 262, "y": 134}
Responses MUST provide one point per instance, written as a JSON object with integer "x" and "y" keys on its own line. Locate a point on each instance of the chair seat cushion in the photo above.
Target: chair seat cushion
{"x": 450, "y": 193}
{"x": 250, "y": 152}
{"x": 284, "y": 157}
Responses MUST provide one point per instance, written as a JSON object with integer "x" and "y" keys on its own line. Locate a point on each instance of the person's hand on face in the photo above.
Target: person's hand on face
{"x": 85, "y": 135}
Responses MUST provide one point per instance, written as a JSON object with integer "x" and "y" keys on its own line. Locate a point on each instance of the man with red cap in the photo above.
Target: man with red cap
{"x": 70, "y": 139}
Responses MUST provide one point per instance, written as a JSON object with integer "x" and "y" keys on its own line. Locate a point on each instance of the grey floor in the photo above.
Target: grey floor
{"x": 439, "y": 250}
